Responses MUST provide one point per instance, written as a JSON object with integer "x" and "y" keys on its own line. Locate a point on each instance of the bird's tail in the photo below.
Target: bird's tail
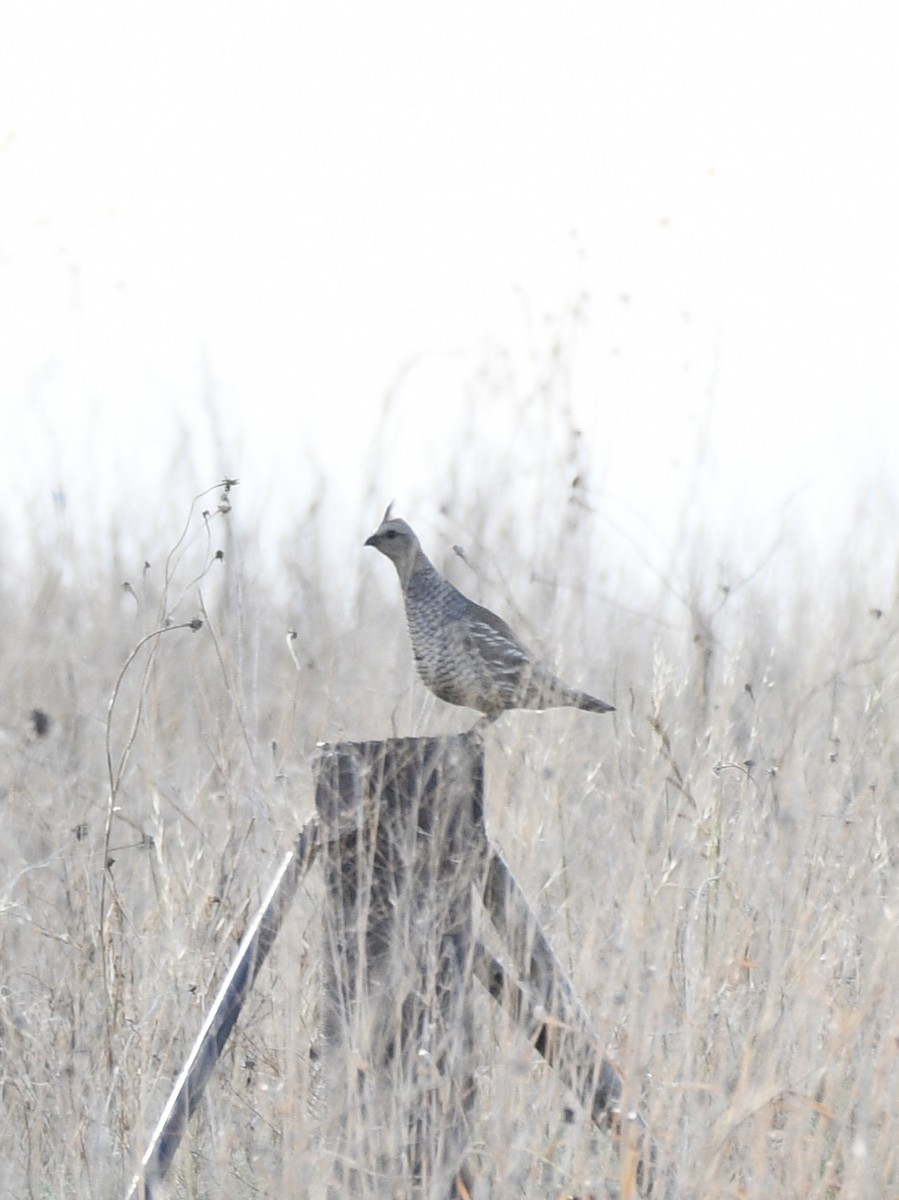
{"x": 589, "y": 703}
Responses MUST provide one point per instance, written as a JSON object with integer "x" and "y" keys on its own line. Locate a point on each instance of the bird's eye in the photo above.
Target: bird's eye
{"x": 391, "y": 533}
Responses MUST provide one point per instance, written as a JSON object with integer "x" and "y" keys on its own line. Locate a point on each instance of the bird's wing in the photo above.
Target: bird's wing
{"x": 489, "y": 638}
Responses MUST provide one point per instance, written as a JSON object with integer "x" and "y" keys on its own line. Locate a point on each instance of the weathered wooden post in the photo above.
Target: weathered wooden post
{"x": 402, "y": 843}
{"x": 400, "y": 829}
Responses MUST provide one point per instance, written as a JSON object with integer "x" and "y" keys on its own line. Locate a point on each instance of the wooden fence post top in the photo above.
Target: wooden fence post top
{"x": 471, "y": 739}
{"x": 350, "y": 776}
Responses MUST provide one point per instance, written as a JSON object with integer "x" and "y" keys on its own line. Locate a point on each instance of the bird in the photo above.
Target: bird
{"x": 465, "y": 654}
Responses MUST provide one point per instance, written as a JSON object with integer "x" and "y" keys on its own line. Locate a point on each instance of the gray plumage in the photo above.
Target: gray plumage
{"x": 464, "y": 653}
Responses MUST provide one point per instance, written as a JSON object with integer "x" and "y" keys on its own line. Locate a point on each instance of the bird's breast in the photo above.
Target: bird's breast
{"x": 433, "y": 631}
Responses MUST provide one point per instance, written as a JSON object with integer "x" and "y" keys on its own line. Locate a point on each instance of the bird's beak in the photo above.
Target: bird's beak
{"x": 370, "y": 541}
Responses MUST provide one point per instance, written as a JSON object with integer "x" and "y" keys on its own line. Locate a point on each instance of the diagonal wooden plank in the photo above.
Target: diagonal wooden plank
{"x": 541, "y": 999}
{"x": 211, "y": 1040}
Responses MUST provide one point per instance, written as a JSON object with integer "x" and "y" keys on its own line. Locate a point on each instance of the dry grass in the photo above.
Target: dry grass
{"x": 716, "y": 864}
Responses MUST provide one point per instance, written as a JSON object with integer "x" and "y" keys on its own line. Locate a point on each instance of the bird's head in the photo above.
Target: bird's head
{"x": 395, "y": 539}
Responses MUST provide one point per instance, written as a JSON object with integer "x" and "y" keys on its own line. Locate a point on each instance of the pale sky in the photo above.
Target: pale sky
{"x": 300, "y": 208}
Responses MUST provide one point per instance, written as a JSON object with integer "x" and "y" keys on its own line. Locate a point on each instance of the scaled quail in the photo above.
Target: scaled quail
{"x": 464, "y": 653}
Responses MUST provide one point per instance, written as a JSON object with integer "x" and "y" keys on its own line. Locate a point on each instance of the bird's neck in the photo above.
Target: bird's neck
{"x": 418, "y": 568}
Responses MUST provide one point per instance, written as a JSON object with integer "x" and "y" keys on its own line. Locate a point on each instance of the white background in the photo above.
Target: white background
{"x": 284, "y": 213}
